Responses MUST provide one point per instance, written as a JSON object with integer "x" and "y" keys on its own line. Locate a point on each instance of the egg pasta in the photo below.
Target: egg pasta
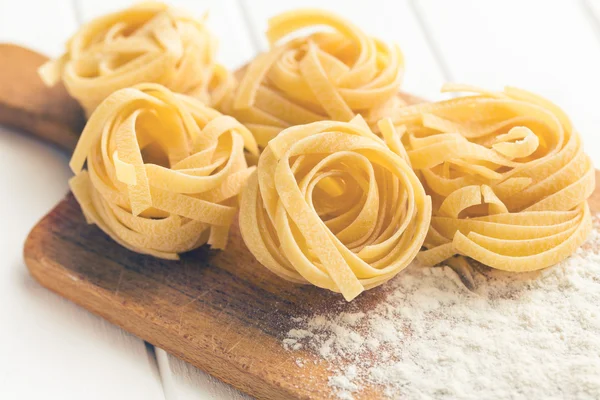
{"x": 333, "y": 205}
{"x": 334, "y": 73}
{"x": 148, "y": 42}
{"x": 507, "y": 174}
{"x": 163, "y": 171}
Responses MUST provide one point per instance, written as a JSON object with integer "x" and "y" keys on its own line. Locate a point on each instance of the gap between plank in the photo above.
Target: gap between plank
{"x": 253, "y": 31}
{"x": 153, "y": 361}
{"x": 77, "y": 11}
{"x": 433, "y": 46}
{"x": 592, "y": 15}
{"x": 155, "y": 367}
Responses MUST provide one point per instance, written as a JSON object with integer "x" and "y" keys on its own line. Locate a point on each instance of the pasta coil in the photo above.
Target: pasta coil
{"x": 332, "y": 205}
{"x": 148, "y": 42}
{"x": 330, "y": 74}
{"x": 163, "y": 171}
{"x": 507, "y": 174}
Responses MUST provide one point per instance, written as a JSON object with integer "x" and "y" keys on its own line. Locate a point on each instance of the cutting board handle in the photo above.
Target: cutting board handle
{"x": 49, "y": 113}
{"x": 28, "y": 105}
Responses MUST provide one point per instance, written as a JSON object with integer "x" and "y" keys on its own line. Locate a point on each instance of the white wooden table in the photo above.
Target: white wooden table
{"x": 52, "y": 349}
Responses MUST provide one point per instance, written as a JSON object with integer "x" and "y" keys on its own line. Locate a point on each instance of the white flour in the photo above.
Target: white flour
{"x": 533, "y": 336}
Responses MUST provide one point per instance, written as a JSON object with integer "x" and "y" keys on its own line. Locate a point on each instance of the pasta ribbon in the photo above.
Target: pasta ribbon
{"x": 330, "y": 204}
{"x": 163, "y": 171}
{"x": 507, "y": 175}
{"x": 331, "y": 74}
{"x": 148, "y": 42}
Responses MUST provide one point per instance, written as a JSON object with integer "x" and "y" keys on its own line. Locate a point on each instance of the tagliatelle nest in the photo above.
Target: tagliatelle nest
{"x": 163, "y": 171}
{"x": 333, "y": 205}
{"x": 148, "y": 42}
{"x": 332, "y": 74}
{"x": 507, "y": 174}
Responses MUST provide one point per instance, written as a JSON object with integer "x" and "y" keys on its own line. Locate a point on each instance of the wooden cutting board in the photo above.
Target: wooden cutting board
{"x": 220, "y": 311}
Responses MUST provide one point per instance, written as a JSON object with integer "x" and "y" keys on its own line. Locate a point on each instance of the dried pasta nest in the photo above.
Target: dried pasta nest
{"x": 163, "y": 171}
{"x": 331, "y": 74}
{"x": 333, "y": 205}
{"x": 148, "y": 42}
{"x": 507, "y": 174}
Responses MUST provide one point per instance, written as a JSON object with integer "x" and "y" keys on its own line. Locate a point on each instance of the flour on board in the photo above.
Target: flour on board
{"x": 534, "y": 335}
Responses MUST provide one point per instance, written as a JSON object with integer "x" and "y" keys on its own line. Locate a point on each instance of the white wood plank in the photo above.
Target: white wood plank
{"x": 41, "y": 25}
{"x": 593, "y": 6}
{"x": 548, "y": 47}
{"x": 182, "y": 381}
{"x": 393, "y": 21}
{"x": 51, "y": 348}
{"x": 224, "y": 20}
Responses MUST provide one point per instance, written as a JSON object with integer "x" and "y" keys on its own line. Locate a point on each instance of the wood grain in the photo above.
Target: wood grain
{"x": 27, "y": 104}
{"x": 221, "y": 311}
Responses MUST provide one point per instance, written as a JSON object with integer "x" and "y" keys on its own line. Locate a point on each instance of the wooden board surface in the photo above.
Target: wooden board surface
{"x": 221, "y": 311}
{"x": 27, "y": 104}
{"x": 65, "y": 350}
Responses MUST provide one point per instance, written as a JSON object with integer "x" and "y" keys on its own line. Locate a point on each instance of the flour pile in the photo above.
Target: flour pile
{"x": 531, "y": 335}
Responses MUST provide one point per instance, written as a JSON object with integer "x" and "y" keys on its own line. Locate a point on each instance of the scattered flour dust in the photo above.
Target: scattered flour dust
{"x": 530, "y": 336}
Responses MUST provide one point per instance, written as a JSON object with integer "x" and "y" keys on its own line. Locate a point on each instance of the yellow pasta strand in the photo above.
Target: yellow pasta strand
{"x": 332, "y": 74}
{"x": 330, "y": 204}
{"x": 148, "y": 42}
{"x": 507, "y": 174}
{"x": 163, "y": 171}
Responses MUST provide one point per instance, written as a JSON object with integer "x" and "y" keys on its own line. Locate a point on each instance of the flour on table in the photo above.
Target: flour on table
{"x": 534, "y": 335}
